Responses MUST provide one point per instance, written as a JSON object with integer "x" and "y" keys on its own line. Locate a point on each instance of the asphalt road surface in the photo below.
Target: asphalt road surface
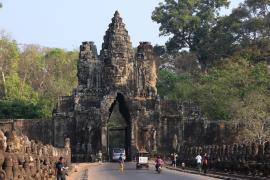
{"x": 110, "y": 171}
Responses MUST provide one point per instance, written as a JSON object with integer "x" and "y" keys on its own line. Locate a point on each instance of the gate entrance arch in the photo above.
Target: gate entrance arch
{"x": 118, "y": 126}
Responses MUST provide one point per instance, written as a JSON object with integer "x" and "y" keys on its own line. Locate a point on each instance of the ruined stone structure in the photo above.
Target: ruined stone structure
{"x": 118, "y": 79}
{"x": 22, "y": 158}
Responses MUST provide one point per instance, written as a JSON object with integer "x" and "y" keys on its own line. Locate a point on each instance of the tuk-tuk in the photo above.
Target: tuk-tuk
{"x": 142, "y": 158}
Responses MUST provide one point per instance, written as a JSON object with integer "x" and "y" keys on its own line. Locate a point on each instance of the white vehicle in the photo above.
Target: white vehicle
{"x": 142, "y": 160}
{"x": 116, "y": 152}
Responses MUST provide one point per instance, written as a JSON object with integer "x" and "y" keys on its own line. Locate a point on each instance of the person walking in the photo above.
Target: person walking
{"x": 205, "y": 163}
{"x": 121, "y": 163}
{"x": 199, "y": 162}
{"x": 158, "y": 163}
{"x": 174, "y": 158}
{"x": 60, "y": 169}
{"x": 99, "y": 157}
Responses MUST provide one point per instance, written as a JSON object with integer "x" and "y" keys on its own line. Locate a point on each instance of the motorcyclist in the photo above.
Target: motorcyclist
{"x": 121, "y": 162}
{"x": 159, "y": 162}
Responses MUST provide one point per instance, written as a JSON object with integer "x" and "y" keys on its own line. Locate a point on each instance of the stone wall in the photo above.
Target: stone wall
{"x": 184, "y": 123}
{"x": 36, "y": 129}
{"x": 22, "y": 158}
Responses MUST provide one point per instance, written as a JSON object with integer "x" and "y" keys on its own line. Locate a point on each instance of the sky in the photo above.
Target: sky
{"x": 66, "y": 23}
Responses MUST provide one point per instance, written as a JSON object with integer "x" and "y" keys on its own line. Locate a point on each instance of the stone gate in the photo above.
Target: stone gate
{"x": 116, "y": 78}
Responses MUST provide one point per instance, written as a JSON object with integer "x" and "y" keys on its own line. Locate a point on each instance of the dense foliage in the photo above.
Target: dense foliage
{"x": 234, "y": 53}
{"x": 32, "y": 78}
{"x": 198, "y": 26}
{"x": 221, "y": 89}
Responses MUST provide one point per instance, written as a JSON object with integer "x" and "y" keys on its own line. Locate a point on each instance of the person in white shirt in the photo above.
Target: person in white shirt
{"x": 199, "y": 162}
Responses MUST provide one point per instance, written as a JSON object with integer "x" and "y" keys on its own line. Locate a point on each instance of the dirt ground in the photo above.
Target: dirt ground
{"x": 79, "y": 168}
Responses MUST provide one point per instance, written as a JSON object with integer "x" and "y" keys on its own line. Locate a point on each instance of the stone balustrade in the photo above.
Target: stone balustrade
{"x": 21, "y": 158}
{"x": 251, "y": 159}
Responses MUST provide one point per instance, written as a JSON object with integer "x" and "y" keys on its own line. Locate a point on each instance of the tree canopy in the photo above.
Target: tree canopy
{"x": 32, "y": 78}
{"x": 198, "y": 26}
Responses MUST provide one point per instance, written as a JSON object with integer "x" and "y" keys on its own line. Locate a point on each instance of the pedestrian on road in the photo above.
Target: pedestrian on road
{"x": 159, "y": 163}
{"x": 60, "y": 169}
{"x": 174, "y": 158}
{"x": 99, "y": 156}
{"x": 199, "y": 162}
{"x": 205, "y": 163}
{"x": 121, "y": 163}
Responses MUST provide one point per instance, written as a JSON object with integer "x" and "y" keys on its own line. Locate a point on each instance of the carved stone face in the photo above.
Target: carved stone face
{"x": 10, "y": 146}
{"x": 3, "y": 141}
{"x": 13, "y": 142}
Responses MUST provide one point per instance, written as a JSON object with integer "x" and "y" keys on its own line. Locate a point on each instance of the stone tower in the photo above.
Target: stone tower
{"x": 117, "y": 54}
{"x": 145, "y": 67}
{"x": 117, "y": 83}
{"x": 87, "y": 65}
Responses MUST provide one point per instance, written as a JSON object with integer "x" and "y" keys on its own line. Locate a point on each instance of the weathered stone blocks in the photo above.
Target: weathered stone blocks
{"x": 22, "y": 160}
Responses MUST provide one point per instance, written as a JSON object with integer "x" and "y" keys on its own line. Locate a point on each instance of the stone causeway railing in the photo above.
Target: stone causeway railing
{"x": 21, "y": 158}
{"x": 248, "y": 159}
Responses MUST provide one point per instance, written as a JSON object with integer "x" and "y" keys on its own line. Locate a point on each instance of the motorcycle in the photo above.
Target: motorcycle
{"x": 158, "y": 168}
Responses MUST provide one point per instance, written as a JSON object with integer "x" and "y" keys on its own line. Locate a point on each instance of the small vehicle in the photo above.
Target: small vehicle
{"x": 142, "y": 158}
{"x": 159, "y": 168}
{"x": 116, "y": 152}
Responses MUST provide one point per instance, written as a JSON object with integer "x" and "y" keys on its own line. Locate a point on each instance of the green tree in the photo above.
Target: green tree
{"x": 33, "y": 77}
{"x": 171, "y": 85}
{"x": 60, "y": 69}
{"x": 9, "y": 57}
{"x": 188, "y": 22}
{"x": 246, "y": 27}
{"x": 19, "y": 109}
{"x": 29, "y": 66}
{"x": 196, "y": 25}
{"x": 222, "y": 87}
{"x": 254, "y": 116}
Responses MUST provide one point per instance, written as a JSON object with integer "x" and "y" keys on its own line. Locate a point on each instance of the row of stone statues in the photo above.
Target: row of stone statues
{"x": 250, "y": 158}
{"x": 21, "y": 158}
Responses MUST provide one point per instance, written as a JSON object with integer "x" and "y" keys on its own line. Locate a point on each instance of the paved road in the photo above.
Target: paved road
{"x": 110, "y": 172}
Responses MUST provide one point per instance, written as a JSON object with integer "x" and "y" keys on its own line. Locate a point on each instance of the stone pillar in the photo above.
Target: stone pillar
{"x": 15, "y": 167}
{"x": 104, "y": 139}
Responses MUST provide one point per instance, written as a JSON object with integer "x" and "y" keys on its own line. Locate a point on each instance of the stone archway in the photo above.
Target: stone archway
{"x": 118, "y": 126}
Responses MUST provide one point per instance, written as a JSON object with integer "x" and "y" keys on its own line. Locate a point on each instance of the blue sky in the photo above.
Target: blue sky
{"x": 66, "y": 23}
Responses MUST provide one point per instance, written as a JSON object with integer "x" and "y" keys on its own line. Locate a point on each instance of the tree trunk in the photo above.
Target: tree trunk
{"x": 4, "y": 82}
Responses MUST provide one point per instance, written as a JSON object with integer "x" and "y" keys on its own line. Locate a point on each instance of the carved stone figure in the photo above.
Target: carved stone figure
{"x": 175, "y": 142}
{"x": 3, "y": 141}
{"x": 154, "y": 135}
{"x": 33, "y": 147}
{"x": 15, "y": 166}
{"x": 7, "y": 166}
{"x": 22, "y": 159}
{"x": 267, "y": 151}
{"x": 67, "y": 143}
{"x": 2, "y": 159}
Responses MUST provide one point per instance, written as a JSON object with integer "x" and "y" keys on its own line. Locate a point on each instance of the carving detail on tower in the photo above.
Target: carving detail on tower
{"x": 117, "y": 53}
